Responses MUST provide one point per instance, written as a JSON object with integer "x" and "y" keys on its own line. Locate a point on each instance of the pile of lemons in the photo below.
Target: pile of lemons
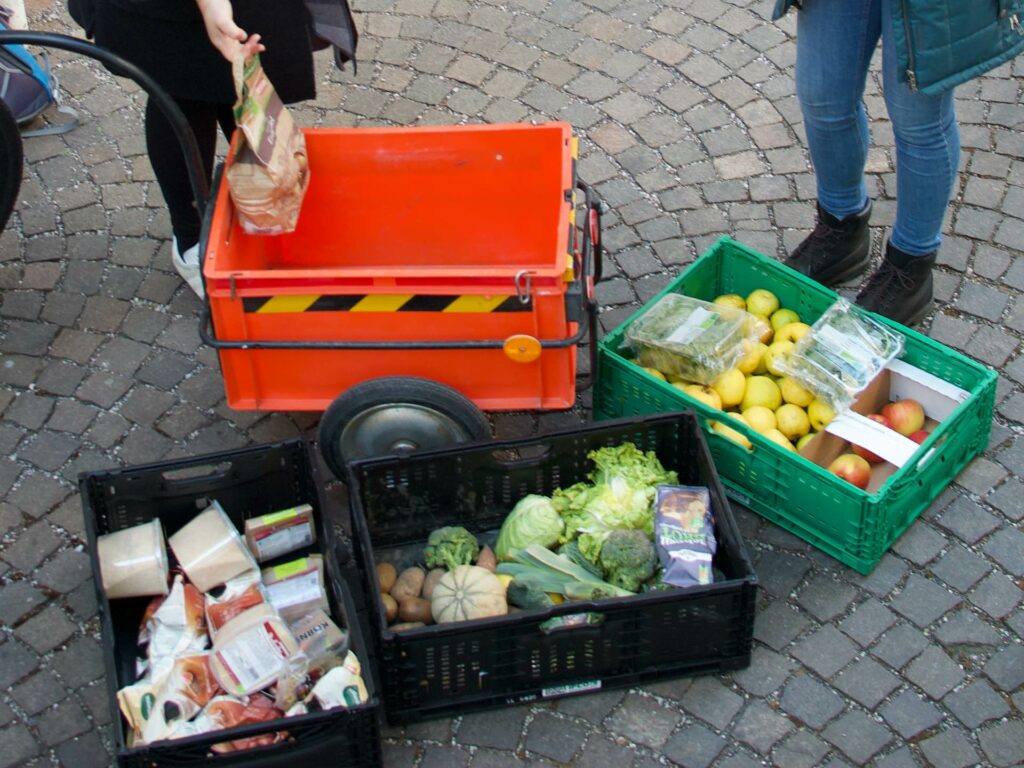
{"x": 756, "y": 391}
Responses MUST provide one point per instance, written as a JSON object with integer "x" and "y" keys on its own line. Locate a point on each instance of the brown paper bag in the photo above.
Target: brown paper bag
{"x": 269, "y": 172}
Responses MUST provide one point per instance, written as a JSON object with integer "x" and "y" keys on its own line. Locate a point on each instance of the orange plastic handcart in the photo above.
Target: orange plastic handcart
{"x": 435, "y": 271}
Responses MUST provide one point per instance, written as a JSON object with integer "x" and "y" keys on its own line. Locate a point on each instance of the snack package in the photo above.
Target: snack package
{"x": 842, "y": 353}
{"x": 692, "y": 339}
{"x": 230, "y": 712}
{"x": 210, "y": 549}
{"x": 251, "y": 650}
{"x": 269, "y": 171}
{"x": 235, "y": 596}
{"x": 684, "y": 534}
{"x": 341, "y": 687}
{"x": 296, "y": 588}
{"x": 176, "y": 627}
{"x": 133, "y": 561}
{"x": 279, "y": 533}
{"x": 155, "y": 708}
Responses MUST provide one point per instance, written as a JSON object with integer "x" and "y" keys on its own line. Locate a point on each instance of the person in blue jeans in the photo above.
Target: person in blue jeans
{"x": 835, "y": 42}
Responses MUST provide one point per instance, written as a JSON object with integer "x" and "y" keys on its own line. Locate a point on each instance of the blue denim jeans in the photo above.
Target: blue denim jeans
{"x": 835, "y": 42}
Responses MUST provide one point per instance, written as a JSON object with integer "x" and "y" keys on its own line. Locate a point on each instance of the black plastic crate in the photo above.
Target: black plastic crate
{"x": 248, "y": 483}
{"x": 440, "y": 670}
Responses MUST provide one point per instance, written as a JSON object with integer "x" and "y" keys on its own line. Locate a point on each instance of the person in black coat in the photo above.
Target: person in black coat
{"x": 186, "y": 46}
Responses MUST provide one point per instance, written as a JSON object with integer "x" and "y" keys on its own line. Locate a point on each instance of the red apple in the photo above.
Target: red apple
{"x": 905, "y": 416}
{"x": 864, "y": 453}
{"x": 920, "y": 436}
{"x": 852, "y": 468}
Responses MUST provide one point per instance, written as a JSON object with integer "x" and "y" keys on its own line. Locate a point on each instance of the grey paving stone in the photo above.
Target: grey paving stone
{"x": 976, "y": 703}
{"x": 554, "y": 737}
{"x": 779, "y": 573}
{"x": 964, "y": 628}
{"x": 65, "y": 571}
{"x": 760, "y": 727}
{"x": 601, "y": 751}
{"x": 1006, "y": 668}
{"x": 935, "y": 672}
{"x": 32, "y": 547}
{"x": 644, "y": 721}
{"x": 889, "y": 572}
{"x": 1006, "y": 547}
{"x": 967, "y": 520}
{"x": 46, "y": 630}
{"x": 1009, "y": 498}
{"x": 801, "y": 750}
{"x": 48, "y": 450}
{"x": 899, "y": 645}
{"x": 826, "y": 651}
{"x": 825, "y": 598}
{"x": 949, "y": 749}
{"x": 909, "y": 715}
{"x": 498, "y": 729}
{"x": 960, "y": 568}
{"x": 17, "y": 600}
{"x": 867, "y": 621}
{"x": 920, "y": 544}
{"x": 867, "y": 682}
{"x": 86, "y": 751}
{"x": 997, "y": 595}
{"x": 767, "y": 672}
{"x": 30, "y": 410}
{"x": 16, "y": 746}
{"x": 810, "y": 702}
{"x": 79, "y": 663}
{"x": 694, "y": 746}
{"x": 858, "y": 736}
{"x": 923, "y": 601}
{"x": 38, "y": 692}
{"x": 15, "y": 663}
{"x": 1001, "y": 742}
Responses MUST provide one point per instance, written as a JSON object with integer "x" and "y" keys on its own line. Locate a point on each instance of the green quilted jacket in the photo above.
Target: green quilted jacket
{"x": 942, "y": 43}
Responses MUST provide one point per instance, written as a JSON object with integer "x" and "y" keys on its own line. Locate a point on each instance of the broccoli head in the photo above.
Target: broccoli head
{"x": 450, "y": 547}
{"x": 628, "y": 558}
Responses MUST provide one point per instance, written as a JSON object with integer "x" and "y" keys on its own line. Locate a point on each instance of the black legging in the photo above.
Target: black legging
{"x": 169, "y": 162}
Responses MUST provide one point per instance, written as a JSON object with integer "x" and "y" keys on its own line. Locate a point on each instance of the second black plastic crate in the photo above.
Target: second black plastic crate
{"x": 441, "y": 670}
{"x": 247, "y": 483}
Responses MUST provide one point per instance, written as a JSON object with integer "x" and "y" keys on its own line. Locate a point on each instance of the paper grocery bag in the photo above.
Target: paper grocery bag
{"x": 269, "y": 173}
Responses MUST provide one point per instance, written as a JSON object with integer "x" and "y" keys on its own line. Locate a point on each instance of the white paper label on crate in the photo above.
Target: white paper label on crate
{"x": 562, "y": 690}
{"x": 295, "y": 591}
{"x": 939, "y": 397}
{"x": 691, "y": 328}
{"x": 284, "y": 540}
{"x": 254, "y": 656}
{"x": 875, "y": 437}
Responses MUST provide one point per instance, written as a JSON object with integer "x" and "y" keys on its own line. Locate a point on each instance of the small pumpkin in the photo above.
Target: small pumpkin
{"x": 468, "y": 592}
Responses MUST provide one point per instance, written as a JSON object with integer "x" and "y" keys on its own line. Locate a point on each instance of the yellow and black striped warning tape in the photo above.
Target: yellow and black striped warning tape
{"x": 399, "y": 302}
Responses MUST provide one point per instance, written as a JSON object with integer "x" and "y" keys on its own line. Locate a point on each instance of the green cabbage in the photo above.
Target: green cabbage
{"x": 534, "y": 520}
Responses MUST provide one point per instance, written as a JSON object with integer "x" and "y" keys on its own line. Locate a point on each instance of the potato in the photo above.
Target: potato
{"x": 408, "y": 584}
{"x": 390, "y": 607}
{"x": 386, "y": 575}
{"x": 432, "y": 578}
{"x": 415, "y": 609}
{"x": 487, "y": 560}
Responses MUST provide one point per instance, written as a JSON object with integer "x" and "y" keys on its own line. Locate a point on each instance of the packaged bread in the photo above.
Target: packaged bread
{"x": 210, "y": 550}
{"x": 251, "y": 650}
{"x": 235, "y": 596}
{"x": 279, "y": 533}
{"x": 297, "y": 587}
{"x": 133, "y": 561}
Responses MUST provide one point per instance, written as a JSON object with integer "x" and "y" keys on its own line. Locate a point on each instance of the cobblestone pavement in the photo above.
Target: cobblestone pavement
{"x": 689, "y": 129}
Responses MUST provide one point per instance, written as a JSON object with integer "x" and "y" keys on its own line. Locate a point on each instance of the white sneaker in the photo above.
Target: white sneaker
{"x": 187, "y": 265}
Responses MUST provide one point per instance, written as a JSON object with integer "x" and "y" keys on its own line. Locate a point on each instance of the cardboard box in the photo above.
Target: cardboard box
{"x": 898, "y": 381}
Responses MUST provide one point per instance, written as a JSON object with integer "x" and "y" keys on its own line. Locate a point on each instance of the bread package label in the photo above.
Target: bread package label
{"x": 296, "y": 588}
{"x": 279, "y": 533}
{"x": 269, "y": 172}
{"x": 251, "y": 650}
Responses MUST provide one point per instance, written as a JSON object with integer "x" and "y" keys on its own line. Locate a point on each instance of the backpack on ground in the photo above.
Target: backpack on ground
{"x": 28, "y": 87}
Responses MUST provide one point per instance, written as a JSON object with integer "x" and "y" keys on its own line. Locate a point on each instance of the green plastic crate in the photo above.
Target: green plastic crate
{"x": 851, "y": 525}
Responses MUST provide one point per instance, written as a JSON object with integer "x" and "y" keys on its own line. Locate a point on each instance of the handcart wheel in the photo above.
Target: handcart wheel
{"x": 11, "y": 159}
{"x": 394, "y": 414}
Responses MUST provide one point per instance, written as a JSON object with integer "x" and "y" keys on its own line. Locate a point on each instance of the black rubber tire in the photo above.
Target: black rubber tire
{"x": 11, "y": 163}
{"x": 410, "y": 413}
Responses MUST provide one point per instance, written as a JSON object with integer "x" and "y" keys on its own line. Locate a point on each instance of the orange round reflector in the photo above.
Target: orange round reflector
{"x": 522, "y": 348}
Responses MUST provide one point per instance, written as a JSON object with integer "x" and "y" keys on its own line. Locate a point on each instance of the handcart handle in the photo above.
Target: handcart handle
{"x": 123, "y": 68}
{"x": 588, "y": 271}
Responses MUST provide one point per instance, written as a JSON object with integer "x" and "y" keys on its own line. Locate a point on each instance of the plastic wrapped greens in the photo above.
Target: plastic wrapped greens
{"x": 841, "y": 354}
{"x": 689, "y": 338}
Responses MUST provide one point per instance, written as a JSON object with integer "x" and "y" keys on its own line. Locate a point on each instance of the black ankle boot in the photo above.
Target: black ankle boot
{"x": 901, "y": 288}
{"x": 836, "y": 250}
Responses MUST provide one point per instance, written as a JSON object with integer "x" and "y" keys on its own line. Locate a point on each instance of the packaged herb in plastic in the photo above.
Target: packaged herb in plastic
{"x": 689, "y": 338}
{"x": 841, "y": 354}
